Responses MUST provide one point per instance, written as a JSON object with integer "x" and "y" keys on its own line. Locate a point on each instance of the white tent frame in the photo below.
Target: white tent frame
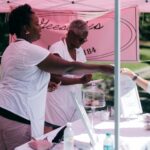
{"x": 117, "y": 73}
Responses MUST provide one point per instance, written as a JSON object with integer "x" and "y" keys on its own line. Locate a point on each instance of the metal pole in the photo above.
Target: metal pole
{"x": 117, "y": 73}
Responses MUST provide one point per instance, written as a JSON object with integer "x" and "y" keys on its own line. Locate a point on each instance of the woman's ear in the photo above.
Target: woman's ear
{"x": 26, "y": 30}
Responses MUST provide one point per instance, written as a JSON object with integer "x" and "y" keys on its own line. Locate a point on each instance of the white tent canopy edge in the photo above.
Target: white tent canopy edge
{"x": 74, "y": 5}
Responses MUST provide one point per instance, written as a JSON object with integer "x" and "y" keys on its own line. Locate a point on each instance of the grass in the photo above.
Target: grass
{"x": 135, "y": 66}
{"x": 144, "y": 56}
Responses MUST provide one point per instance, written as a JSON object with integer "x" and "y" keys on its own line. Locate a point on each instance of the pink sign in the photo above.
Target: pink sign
{"x": 100, "y": 44}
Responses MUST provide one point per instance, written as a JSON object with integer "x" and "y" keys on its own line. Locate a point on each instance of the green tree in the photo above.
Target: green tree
{"x": 144, "y": 26}
{"x": 4, "y": 36}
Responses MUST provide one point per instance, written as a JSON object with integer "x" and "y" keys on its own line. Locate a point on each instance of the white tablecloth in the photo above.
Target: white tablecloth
{"x": 133, "y": 135}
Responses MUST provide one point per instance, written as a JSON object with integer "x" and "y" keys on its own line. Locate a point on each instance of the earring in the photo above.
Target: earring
{"x": 27, "y": 32}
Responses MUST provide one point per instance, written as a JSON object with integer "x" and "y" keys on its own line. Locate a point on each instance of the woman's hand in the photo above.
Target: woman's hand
{"x": 86, "y": 78}
{"x": 127, "y": 72}
{"x": 53, "y": 86}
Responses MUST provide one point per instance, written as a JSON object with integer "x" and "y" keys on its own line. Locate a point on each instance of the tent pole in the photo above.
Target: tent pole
{"x": 117, "y": 73}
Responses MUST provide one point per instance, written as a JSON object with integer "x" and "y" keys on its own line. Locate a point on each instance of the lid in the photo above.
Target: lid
{"x": 108, "y": 134}
{"x": 69, "y": 124}
{"x": 92, "y": 88}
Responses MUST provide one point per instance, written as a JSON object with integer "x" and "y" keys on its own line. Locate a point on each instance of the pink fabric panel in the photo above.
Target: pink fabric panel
{"x": 100, "y": 44}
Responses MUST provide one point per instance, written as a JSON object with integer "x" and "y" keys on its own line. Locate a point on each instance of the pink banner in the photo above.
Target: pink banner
{"x": 100, "y": 44}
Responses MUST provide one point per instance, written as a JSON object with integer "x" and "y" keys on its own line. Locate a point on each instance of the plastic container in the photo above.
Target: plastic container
{"x": 68, "y": 137}
{"x": 108, "y": 142}
{"x": 93, "y": 97}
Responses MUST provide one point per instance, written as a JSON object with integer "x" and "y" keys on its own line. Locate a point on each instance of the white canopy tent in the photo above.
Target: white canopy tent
{"x": 94, "y": 6}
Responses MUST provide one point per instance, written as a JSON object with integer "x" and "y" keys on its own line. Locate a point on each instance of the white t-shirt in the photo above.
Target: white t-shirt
{"x": 60, "y": 105}
{"x": 23, "y": 85}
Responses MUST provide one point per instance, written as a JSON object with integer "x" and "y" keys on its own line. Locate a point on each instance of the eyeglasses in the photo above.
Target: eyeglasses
{"x": 79, "y": 38}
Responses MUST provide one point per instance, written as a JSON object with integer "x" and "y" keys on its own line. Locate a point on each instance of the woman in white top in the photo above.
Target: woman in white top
{"x": 145, "y": 84}
{"x": 26, "y": 71}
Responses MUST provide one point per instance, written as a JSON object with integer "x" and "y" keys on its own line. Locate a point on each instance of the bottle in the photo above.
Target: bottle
{"x": 68, "y": 137}
{"x": 108, "y": 142}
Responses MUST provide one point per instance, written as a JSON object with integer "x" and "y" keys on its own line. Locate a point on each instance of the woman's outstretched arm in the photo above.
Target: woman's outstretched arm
{"x": 57, "y": 65}
{"x": 139, "y": 80}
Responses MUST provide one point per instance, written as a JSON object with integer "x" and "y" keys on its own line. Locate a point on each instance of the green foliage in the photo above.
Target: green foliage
{"x": 144, "y": 54}
{"x": 4, "y": 37}
{"x": 144, "y": 26}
